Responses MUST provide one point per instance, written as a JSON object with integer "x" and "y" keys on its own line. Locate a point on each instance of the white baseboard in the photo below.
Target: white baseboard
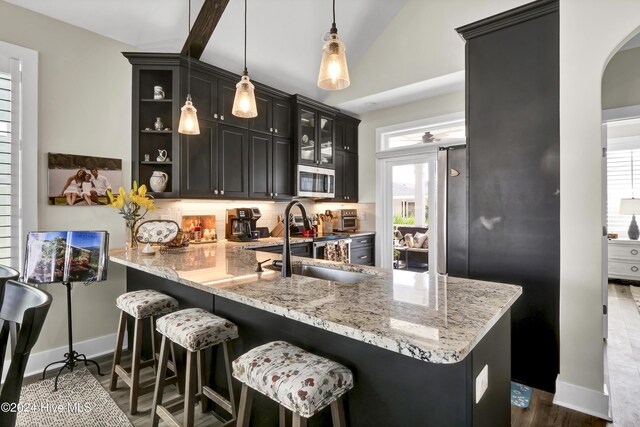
{"x": 91, "y": 348}
{"x": 582, "y": 399}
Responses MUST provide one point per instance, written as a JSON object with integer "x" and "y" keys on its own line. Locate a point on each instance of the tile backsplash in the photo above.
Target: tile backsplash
{"x": 174, "y": 209}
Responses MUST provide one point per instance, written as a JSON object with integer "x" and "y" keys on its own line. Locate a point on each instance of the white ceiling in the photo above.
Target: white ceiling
{"x": 284, "y": 36}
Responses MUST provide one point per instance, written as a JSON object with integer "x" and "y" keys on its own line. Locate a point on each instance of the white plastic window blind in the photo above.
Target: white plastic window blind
{"x": 9, "y": 161}
{"x": 620, "y": 164}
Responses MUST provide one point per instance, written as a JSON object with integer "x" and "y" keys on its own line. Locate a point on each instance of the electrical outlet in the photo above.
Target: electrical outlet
{"x": 482, "y": 382}
{"x": 362, "y": 216}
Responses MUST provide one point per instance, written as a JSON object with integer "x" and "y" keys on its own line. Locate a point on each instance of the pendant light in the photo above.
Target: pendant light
{"x": 188, "y": 117}
{"x": 244, "y": 103}
{"x": 334, "y": 74}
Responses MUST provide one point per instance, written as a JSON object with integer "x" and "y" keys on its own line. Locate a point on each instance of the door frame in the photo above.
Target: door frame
{"x": 386, "y": 159}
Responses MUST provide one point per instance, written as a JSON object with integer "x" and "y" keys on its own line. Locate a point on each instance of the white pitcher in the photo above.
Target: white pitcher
{"x": 158, "y": 181}
{"x": 162, "y": 155}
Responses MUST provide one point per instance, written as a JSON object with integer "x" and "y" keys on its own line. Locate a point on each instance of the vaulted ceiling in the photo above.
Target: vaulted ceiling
{"x": 284, "y": 36}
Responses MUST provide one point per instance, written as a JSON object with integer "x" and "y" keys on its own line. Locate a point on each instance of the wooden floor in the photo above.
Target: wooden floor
{"x": 542, "y": 412}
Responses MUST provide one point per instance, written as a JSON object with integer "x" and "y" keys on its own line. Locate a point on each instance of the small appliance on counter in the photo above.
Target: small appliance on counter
{"x": 345, "y": 220}
{"x": 241, "y": 224}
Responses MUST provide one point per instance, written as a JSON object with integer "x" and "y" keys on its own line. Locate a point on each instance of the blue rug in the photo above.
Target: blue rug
{"x": 520, "y": 395}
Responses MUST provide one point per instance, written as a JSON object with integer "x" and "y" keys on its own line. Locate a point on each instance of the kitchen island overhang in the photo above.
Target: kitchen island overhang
{"x": 415, "y": 342}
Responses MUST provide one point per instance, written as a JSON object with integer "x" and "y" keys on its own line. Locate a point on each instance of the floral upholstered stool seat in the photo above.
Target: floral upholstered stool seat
{"x": 194, "y": 329}
{"x": 141, "y": 305}
{"x": 299, "y": 381}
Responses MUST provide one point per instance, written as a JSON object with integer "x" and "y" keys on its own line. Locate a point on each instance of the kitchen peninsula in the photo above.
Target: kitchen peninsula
{"x": 416, "y": 342}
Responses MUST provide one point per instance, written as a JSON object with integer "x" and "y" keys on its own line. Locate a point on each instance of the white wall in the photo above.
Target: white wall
{"x": 84, "y": 108}
{"x": 451, "y": 103}
{"x": 621, "y": 80}
{"x": 590, "y": 33}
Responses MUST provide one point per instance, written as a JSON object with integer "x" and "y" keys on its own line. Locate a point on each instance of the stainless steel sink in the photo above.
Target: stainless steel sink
{"x": 325, "y": 273}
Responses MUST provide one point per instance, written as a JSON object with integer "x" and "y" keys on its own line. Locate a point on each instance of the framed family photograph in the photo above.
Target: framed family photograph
{"x": 76, "y": 180}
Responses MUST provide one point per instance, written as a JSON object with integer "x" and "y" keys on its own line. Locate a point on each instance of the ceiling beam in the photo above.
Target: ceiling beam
{"x": 203, "y": 27}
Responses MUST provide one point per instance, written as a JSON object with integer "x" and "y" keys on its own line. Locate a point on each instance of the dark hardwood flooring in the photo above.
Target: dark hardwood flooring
{"x": 542, "y": 412}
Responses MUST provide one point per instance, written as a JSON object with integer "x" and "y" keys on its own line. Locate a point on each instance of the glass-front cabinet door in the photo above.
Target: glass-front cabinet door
{"x": 307, "y": 136}
{"x": 326, "y": 140}
{"x": 316, "y": 133}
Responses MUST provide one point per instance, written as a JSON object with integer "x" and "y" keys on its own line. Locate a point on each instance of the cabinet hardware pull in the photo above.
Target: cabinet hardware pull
{"x": 634, "y": 269}
{"x": 275, "y": 194}
{"x": 270, "y": 194}
{"x": 270, "y": 129}
{"x": 215, "y": 191}
{"x": 215, "y": 115}
{"x": 276, "y": 130}
{"x": 363, "y": 241}
{"x": 221, "y": 117}
{"x": 364, "y": 257}
{"x": 634, "y": 252}
{"x": 222, "y": 192}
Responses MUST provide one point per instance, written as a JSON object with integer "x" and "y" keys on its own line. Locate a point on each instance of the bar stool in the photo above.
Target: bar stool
{"x": 146, "y": 304}
{"x": 194, "y": 329}
{"x": 299, "y": 381}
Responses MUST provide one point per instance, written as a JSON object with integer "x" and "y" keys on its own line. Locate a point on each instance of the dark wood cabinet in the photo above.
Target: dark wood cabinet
{"x": 513, "y": 145}
{"x": 233, "y": 155}
{"x": 233, "y": 158}
{"x": 297, "y": 249}
{"x": 199, "y": 166}
{"x": 269, "y": 167}
{"x": 214, "y": 163}
{"x": 274, "y": 115}
{"x": 363, "y": 249}
{"x": 346, "y": 133}
{"x": 145, "y": 139}
{"x": 315, "y": 133}
{"x": 346, "y": 167}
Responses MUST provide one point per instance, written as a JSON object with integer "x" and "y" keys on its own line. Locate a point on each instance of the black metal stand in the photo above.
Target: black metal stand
{"x": 71, "y": 358}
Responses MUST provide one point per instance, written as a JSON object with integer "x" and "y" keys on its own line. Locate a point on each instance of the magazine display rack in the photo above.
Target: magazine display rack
{"x": 66, "y": 257}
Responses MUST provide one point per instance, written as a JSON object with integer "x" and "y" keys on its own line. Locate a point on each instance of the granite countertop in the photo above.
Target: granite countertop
{"x": 433, "y": 318}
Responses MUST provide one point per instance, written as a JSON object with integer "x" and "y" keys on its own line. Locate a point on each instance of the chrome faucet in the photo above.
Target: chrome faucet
{"x": 286, "y": 248}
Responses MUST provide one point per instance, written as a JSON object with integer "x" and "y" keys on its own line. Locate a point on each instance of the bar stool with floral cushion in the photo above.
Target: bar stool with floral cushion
{"x": 141, "y": 305}
{"x": 299, "y": 381}
{"x": 195, "y": 330}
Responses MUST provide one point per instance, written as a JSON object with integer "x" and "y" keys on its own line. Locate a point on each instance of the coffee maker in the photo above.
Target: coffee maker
{"x": 241, "y": 224}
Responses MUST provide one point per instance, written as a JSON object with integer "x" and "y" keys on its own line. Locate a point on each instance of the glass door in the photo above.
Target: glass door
{"x": 326, "y": 140}
{"x": 413, "y": 214}
{"x": 308, "y": 137}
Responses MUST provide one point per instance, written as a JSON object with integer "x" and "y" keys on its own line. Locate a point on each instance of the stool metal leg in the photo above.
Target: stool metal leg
{"x": 159, "y": 389}
{"x": 337, "y": 413}
{"x": 135, "y": 367}
{"x": 117, "y": 354}
{"x": 298, "y": 421}
{"x": 244, "y": 412}
{"x": 190, "y": 392}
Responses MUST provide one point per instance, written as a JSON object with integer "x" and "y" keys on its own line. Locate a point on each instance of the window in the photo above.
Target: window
{"x": 9, "y": 134}
{"x": 620, "y": 164}
{"x": 18, "y": 147}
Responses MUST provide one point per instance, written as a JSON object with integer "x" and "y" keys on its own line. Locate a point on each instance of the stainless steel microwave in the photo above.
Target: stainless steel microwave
{"x": 316, "y": 182}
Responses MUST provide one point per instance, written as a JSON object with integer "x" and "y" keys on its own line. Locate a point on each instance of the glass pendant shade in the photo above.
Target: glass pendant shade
{"x": 244, "y": 104}
{"x": 334, "y": 74}
{"x": 188, "y": 119}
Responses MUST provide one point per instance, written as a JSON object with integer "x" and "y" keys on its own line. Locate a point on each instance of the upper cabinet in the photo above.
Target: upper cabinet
{"x": 315, "y": 133}
{"x": 154, "y": 125}
{"x": 232, "y": 157}
{"x": 346, "y": 133}
{"x": 274, "y": 115}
